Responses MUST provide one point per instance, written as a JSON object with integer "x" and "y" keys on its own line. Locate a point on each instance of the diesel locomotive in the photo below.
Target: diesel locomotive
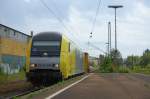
{"x": 54, "y": 56}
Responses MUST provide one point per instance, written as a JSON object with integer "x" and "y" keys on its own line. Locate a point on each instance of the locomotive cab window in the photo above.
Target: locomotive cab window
{"x": 46, "y": 43}
{"x": 45, "y": 48}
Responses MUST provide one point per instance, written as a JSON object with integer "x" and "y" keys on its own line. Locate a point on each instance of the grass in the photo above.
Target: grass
{"x": 108, "y": 67}
{"x": 121, "y": 69}
{"x": 5, "y": 78}
{"x": 113, "y": 69}
{"x": 138, "y": 69}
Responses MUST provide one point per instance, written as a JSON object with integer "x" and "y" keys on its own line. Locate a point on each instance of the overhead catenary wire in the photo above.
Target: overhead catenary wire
{"x": 95, "y": 17}
{"x": 94, "y": 20}
{"x": 58, "y": 18}
{"x": 51, "y": 11}
{"x": 71, "y": 27}
{"x": 93, "y": 26}
{"x": 97, "y": 48}
{"x": 60, "y": 12}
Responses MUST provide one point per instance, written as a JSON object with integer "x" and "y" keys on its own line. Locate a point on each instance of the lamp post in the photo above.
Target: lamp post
{"x": 115, "y": 7}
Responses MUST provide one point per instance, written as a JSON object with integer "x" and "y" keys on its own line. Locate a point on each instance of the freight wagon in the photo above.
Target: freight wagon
{"x": 14, "y": 50}
{"x": 53, "y": 55}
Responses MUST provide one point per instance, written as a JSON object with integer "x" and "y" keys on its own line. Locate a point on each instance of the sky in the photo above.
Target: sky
{"x": 133, "y": 21}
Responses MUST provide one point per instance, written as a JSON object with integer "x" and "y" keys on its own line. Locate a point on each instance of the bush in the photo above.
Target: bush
{"x": 138, "y": 69}
{"x": 148, "y": 66}
{"x": 123, "y": 69}
{"x": 1, "y": 72}
{"x": 106, "y": 66}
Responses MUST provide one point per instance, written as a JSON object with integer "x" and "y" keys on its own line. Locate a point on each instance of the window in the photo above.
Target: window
{"x": 5, "y": 29}
{"x": 46, "y": 43}
{"x": 14, "y": 33}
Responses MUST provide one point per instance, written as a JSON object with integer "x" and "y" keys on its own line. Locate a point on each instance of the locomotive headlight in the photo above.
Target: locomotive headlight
{"x": 56, "y": 65}
{"x": 32, "y": 65}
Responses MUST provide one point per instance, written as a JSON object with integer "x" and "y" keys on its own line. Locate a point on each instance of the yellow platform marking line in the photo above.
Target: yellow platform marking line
{"x": 69, "y": 86}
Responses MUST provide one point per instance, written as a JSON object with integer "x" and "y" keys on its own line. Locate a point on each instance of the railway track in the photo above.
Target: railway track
{"x": 27, "y": 89}
{"x": 24, "y": 92}
{"x": 11, "y": 93}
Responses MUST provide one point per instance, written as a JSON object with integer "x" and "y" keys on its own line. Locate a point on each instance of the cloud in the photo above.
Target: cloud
{"x": 133, "y": 27}
{"x": 132, "y": 21}
{"x": 42, "y": 24}
{"x": 134, "y": 30}
{"x": 82, "y": 28}
{"x": 27, "y": 1}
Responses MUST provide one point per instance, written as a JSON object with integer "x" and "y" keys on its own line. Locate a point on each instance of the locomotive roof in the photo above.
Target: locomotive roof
{"x": 48, "y": 36}
{"x": 51, "y": 36}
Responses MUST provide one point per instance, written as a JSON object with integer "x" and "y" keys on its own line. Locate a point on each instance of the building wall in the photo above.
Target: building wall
{"x": 13, "y": 50}
{"x": 10, "y": 46}
{"x": 0, "y": 52}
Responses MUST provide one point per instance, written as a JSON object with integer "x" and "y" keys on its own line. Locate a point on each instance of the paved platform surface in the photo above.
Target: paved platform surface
{"x": 109, "y": 86}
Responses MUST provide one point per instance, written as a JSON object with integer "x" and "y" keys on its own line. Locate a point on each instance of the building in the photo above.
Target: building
{"x": 14, "y": 50}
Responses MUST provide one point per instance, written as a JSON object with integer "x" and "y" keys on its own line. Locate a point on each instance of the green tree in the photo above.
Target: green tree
{"x": 116, "y": 57}
{"x": 101, "y": 59}
{"x": 132, "y": 61}
{"x": 106, "y": 65}
{"x": 145, "y": 59}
